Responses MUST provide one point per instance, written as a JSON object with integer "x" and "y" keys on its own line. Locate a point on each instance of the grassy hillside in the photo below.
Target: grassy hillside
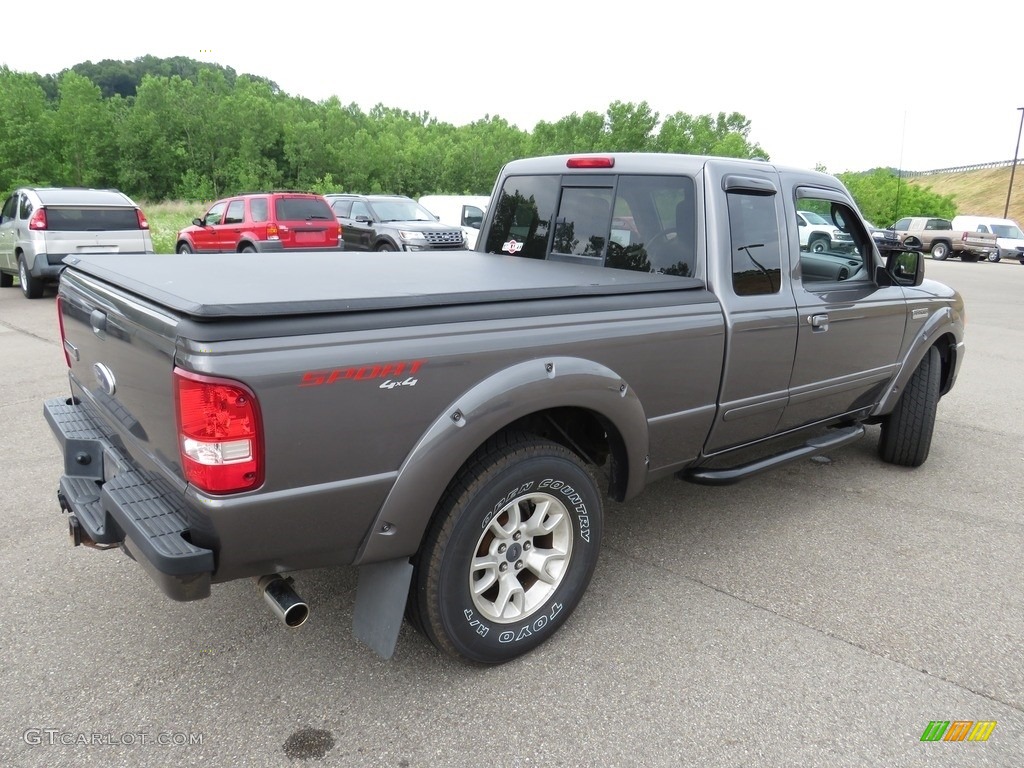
{"x": 980, "y": 193}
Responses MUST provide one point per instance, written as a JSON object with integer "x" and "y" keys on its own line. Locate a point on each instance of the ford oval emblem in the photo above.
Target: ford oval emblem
{"x": 105, "y": 378}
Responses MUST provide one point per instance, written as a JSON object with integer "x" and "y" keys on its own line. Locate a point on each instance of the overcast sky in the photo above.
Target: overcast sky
{"x": 850, "y": 85}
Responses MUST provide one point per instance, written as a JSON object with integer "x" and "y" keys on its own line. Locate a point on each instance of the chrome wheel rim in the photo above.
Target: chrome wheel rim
{"x": 521, "y": 558}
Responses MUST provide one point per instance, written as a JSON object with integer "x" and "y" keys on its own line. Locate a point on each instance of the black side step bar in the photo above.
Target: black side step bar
{"x": 814, "y": 446}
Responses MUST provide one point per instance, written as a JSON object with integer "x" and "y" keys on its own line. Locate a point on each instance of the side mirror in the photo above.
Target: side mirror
{"x": 906, "y": 267}
{"x": 364, "y": 219}
{"x": 199, "y": 222}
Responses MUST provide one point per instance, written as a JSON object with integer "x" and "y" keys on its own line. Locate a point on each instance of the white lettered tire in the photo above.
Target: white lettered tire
{"x": 510, "y": 552}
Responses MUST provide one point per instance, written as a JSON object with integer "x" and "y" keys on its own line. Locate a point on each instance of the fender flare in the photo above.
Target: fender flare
{"x": 484, "y": 410}
{"x": 945, "y": 321}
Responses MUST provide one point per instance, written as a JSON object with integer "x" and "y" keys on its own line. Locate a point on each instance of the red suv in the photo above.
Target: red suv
{"x": 264, "y": 221}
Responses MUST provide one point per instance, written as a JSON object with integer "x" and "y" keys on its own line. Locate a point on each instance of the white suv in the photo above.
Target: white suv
{"x": 39, "y": 226}
{"x": 818, "y": 234}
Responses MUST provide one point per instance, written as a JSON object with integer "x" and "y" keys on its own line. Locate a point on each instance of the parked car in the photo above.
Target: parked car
{"x": 463, "y": 211}
{"x": 264, "y": 222}
{"x": 1009, "y": 237}
{"x": 39, "y": 226}
{"x": 391, "y": 223}
{"x": 818, "y": 234}
{"x": 941, "y": 239}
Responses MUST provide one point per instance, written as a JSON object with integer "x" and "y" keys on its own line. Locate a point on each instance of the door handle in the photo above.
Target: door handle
{"x": 818, "y": 322}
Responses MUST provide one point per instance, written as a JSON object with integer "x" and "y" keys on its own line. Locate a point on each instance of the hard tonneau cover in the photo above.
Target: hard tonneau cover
{"x": 247, "y": 285}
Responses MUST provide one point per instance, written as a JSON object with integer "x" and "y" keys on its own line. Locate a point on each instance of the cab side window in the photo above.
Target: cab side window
{"x": 834, "y": 247}
{"x": 755, "y": 244}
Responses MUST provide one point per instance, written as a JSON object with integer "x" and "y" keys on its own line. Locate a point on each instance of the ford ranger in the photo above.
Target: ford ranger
{"x": 440, "y": 420}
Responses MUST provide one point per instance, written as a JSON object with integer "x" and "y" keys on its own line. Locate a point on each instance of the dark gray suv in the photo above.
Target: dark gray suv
{"x": 391, "y": 223}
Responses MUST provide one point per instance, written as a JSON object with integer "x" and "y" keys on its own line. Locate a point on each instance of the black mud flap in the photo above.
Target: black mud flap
{"x": 380, "y": 604}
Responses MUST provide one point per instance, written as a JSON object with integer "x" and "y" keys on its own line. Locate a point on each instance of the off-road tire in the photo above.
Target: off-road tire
{"x": 907, "y": 431}
{"x": 521, "y": 506}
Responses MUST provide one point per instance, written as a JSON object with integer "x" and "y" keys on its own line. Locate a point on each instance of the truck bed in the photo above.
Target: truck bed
{"x": 242, "y": 285}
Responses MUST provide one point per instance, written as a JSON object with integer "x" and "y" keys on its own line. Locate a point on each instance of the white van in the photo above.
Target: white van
{"x": 1007, "y": 231}
{"x": 465, "y": 211}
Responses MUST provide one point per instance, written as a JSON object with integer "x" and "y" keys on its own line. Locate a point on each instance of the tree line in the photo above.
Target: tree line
{"x": 162, "y": 129}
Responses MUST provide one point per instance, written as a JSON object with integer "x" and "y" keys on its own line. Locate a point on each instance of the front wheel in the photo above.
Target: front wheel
{"x": 184, "y": 248}
{"x": 940, "y": 251}
{"x": 511, "y": 550}
{"x": 385, "y": 247}
{"x": 907, "y": 431}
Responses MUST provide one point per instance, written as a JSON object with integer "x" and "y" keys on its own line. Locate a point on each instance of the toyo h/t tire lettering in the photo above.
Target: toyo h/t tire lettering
{"x": 510, "y": 552}
{"x": 907, "y": 431}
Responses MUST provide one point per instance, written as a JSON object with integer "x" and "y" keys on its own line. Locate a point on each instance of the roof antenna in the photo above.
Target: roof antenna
{"x": 899, "y": 171}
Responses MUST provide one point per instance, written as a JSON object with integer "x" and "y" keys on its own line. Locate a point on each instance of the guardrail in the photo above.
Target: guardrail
{"x": 964, "y": 168}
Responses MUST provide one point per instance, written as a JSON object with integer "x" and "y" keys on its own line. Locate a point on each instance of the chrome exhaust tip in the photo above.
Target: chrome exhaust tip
{"x": 286, "y": 605}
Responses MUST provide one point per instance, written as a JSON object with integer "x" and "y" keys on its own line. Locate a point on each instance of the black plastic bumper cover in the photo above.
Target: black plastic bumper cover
{"x": 134, "y": 508}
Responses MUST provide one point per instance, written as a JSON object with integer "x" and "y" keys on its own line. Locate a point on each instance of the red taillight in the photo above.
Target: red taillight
{"x": 38, "y": 220}
{"x": 272, "y": 231}
{"x": 143, "y": 224}
{"x": 60, "y": 324}
{"x": 219, "y": 432}
{"x": 590, "y": 162}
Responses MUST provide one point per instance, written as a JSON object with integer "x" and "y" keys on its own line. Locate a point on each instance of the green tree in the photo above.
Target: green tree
{"x": 83, "y": 128}
{"x": 27, "y": 148}
{"x": 883, "y": 197}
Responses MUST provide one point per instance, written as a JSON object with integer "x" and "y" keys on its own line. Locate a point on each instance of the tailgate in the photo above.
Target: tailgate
{"x": 121, "y": 354}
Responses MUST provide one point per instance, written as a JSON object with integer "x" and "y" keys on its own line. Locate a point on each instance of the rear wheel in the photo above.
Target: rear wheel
{"x": 510, "y": 552}
{"x": 248, "y": 249}
{"x": 907, "y": 431}
{"x": 31, "y": 286}
{"x": 940, "y": 251}
{"x": 819, "y": 245}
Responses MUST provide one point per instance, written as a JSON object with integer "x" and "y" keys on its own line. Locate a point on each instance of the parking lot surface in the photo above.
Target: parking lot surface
{"x": 823, "y": 614}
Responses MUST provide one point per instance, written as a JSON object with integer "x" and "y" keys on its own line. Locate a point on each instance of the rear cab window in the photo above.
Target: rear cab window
{"x": 637, "y": 222}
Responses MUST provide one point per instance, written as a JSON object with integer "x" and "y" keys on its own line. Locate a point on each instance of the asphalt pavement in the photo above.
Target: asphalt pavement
{"x": 820, "y": 615}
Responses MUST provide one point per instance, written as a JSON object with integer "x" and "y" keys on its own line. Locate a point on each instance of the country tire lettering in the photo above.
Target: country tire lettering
{"x": 510, "y": 551}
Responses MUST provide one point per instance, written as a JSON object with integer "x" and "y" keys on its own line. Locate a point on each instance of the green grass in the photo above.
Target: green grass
{"x": 165, "y": 219}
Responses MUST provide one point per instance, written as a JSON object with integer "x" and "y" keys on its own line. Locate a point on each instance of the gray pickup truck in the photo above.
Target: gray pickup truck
{"x": 449, "y": 423}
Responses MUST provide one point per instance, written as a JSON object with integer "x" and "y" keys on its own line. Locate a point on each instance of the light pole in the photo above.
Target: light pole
{"x": 1006, "y": 210}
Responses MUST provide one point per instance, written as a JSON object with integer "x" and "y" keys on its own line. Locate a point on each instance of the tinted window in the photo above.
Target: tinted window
{"x": 236, "y": 212}
{"x": 654, "y": 225}
{"x": 301, "y": 208}
{"x": 90, "y": 219}
{"x": 342, "y": 208}
{"x": 584, "y": 219}
{"x": 522, "y": 216}
{"x": 756, "y": 252}
{"x": 258, "y": 209}
{"x": 26, "y": 208}
{"x": 938, "y": 224}
{"x": 359, "y": 208}
{"x": 902, "y": 225}
{"x": 472, "y": 216}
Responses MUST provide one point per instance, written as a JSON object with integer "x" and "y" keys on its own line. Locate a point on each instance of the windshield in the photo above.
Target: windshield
{"x": 1006, "y": 230}
{"x": 815, "y": 218}
{"x": 401, "y": 210}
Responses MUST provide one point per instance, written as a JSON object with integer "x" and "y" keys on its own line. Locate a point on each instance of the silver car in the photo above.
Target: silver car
{"x": 40, "y": 226}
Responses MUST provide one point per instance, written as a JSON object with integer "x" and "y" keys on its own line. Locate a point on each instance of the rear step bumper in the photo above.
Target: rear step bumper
{"x": 134, "y": 509}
